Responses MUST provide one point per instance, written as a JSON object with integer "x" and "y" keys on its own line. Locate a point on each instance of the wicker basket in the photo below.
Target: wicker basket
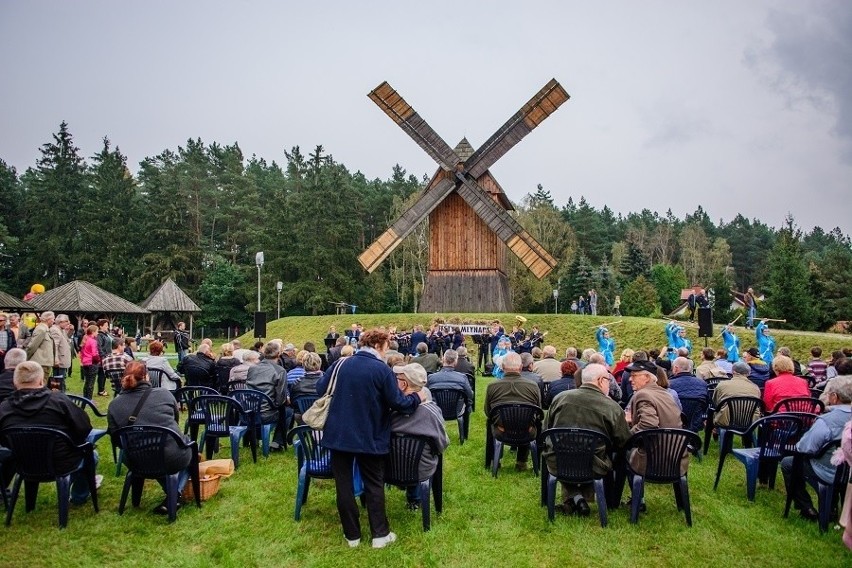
{"x": 209, "y": 488}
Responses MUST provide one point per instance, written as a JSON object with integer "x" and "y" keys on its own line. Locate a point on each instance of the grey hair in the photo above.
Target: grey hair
{"x": 46, "y": 316}
{"x": 450, "y": 357}
{"x": 312, "y": 362}
{"x": 526, "y": 360}
{"x": 592, "y": 371}
{"x": 588, "y": 353}
{"x": 461, "y": 351}
{"x": 596, "y": 358}
{"x": 548, "y": 352}
{"x": 61, "y": 317}
{"x": 512, "y": 362}
{"x": 684, "y": 364}
{"x": 27, "y": 373}
{"x": 571, "y": 353}
{"x": 422, "y": 347}
{"x": 251, "y": 357}
{"x": 785, "y": 351}
{"x": 842, "y": 387}
{"x": 741, "y": 368}
{"x": 15, "y": 357}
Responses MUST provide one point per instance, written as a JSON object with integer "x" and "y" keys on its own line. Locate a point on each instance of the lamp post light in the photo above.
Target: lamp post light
{"x": 556, "y": 300}
{"x": 258, "y": 260}
{"x": 279, "y": 286}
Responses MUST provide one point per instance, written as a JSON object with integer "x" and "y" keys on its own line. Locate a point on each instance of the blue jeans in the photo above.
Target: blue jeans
{"x": 183, "y": 477}
{"x": 79, "y": 484}
{"x": 752, "y": 312}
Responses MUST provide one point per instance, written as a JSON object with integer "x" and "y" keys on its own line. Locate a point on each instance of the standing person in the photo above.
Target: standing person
{"x": 7, "y": 338}
{"x": 357, "y": 430}
{"x": 62, "y": 345}
{"x": 616, "y": 306}
{"x": 40, "y": 347}
{"x": 751, "y": 307}
{"x": 181, "y": 341}
{"x": 104, "y": 349}
{"x": 677, "y": 339}
{"x": 765, "y": 342}
{"x": 574, "y": 307}
{"x": 581, "y": 306}
{"x": 20, "y": 329}
{"x": 504, "y": 346}
{"x": 732, "y": 343}
{"x": 606, "y": 345}
{"x": 593, "y": 302}
{"x": 90, "y": 360}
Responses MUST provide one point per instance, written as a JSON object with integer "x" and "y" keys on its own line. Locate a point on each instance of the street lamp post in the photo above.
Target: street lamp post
{"x": 279, "y": 286}
{"x": 258, "y": 260}
{"x": 556, "y": 300}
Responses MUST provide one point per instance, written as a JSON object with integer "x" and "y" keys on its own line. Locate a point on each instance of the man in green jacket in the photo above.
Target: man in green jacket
{"x": 588, "y": 406}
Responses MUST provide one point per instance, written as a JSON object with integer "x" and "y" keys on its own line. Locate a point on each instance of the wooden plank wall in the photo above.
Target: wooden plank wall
{"x": 484, "y": 291}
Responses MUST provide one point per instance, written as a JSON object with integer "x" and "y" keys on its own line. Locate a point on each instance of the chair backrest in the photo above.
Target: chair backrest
{"x": 310, "y": 452}
{"x": 575, "y": 450}
{"x": 85, "y": 404}
{"x": 450, "y": 401}
{"x": 402, "y": 463}
{"x": 305, "y": 401}
{"x": 800, "y": 404}
{"x": 517, "y": 422}
{"x": 775, "y": 432}
{"x": 713, "y": 382}
{"x": 144, "y": 449}
{"x": 156, "y": 376}
{"x": 114, "y": 376}
{"x": 253, "y": 402}
{"x": 220, "y": 413}
{"x": 664, "y": 450}
{"x": 33, "y": 450}
{"x": 741, "y": 411}
{"x": 185, "y": 396}
{"x": 694, "y": 410}
{"x": 544, "y": 386}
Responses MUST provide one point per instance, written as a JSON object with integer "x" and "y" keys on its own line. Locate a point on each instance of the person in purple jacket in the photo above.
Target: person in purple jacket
{"x": 358, "y": 430}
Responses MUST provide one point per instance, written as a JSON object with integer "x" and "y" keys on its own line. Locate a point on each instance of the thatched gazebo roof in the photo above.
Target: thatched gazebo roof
{"x": 83, "y": 297}
{"x": 170, "y": 298}
{"x": 9, "y": 302}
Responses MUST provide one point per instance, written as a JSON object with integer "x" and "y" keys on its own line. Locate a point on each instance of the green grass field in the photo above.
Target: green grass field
{"x": 485, "y": 521}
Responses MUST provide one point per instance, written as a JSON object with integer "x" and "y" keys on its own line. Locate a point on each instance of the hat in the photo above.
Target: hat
{"x": 414, "y": 373}
{"x": 289, "y": 347}
{"x": 642, "y": 366}
{"x": 753, "y": 352}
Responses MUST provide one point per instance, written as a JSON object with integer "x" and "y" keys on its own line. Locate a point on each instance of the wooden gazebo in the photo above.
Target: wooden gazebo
{"x": 83, "y": 298}
{"x": 11, "y": 303}
{"x": 169, "y": 299}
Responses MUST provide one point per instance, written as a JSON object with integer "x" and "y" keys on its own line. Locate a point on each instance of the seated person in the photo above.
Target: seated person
{"x": 269, "y": 378}
{"x": 426, "y": 420}
{"x": 784, "y": 385}
{"x": 156, "y": 360}
{"x": 159, "y": 408}
{"x": 224, "y": 365}
{"x": 199, "y": 368}
{"x": 449, "y": 378}
{"x": 565, "y": 383}
{"x": 33, "y": 404}
{"x": 587, "y": 406}
{"x": 760, "y": 371}
{"x": 826, "y": 428}
{"x": 739, "y": 385}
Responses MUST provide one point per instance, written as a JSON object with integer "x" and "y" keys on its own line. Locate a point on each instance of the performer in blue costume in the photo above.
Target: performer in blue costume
{"x": 765, "y": 342}
{"x": 677, "y": 339}
{"x": 732, "y": 343}
{"x": 606, "y": 345}
{"x": 504, "y": 345}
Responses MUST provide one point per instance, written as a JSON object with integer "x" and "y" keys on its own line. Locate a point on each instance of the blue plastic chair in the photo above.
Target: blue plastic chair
{"x": 826, "y": 492}
{"x": 224, "y": 417}
{"x": 741, "y": 412}
{"x": 773, "y": 435}
{"x": 314, "y": 461}
{"x": 304, "y": 402}
{"x": 453, "y": 407}
{"x": 664, "y": 449}
{"x": 194, "y": 420}
{"x": 574, "y": 450}
{"x": 520, "y": 423}
{"x": 402, "y": 469}
{"x": 97, "y": 433}
{"x": 253, "y": 402}
{"x": 5, "y": 453}
{"x": 32, "y": 451}
{"x": 144, "y": 450}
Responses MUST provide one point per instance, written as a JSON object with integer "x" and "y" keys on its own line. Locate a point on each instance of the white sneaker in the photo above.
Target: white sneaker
{"x": 353, "y": 543}
{"x": 99, "y": 479}
{"x": 383, "y": 541}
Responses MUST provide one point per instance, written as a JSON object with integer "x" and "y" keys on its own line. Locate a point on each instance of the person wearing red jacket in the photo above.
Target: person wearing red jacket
{"x": 784, "y": 385}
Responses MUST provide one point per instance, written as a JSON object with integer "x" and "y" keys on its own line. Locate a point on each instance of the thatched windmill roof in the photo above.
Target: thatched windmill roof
{"x": 83, "y": 297}
{"x": 8, "y": 302}
{"x": 170, "y": 298}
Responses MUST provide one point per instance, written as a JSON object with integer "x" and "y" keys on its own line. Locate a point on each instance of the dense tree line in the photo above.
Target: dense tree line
{"x": 198, "y": 214}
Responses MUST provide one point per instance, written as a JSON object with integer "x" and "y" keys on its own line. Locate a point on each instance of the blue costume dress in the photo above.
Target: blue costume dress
{"x": 606, "y": 346}
{"x": 765, "y": 343}
{"x": 732, "y": 345}
{"x": 497, "y": 359}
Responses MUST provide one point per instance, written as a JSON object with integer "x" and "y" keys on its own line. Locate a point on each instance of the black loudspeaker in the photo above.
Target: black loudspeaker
{"x": 260, "y": 324}
{"x": 705, "y": 322}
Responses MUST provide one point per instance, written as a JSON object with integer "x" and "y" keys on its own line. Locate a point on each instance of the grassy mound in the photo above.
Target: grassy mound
{"x": 562, "y": 331}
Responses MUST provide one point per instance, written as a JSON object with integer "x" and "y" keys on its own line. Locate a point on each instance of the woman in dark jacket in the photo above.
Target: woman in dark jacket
{"x": 159, "y": 409}
{"x": 223, "y": 367}
{"x": 358, "y": 430}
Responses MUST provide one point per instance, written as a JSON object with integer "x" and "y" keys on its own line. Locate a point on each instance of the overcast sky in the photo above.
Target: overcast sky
{"x": 736, "y": 106}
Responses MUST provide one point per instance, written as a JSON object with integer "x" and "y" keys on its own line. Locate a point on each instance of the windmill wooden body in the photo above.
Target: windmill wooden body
{"x": 469, "y": 225}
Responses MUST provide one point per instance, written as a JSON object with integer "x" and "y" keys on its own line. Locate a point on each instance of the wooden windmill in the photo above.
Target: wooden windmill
{"x": 467, "y": 209}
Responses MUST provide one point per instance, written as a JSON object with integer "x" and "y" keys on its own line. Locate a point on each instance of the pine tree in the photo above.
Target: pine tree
{"x": 635, "y": 263}
{"x": 668, "y": 281}
{"x": 639, "y": 298}
{"x": 788, "y": 289}
{"x": 10, "y": 203}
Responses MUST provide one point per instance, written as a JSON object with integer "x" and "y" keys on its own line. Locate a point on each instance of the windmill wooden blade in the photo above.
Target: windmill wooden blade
{"x": 371, "y": 258}
{"x": 542, "y": 105}
{"x": 407, "y": 118}
{"x": 519, "y": 241}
